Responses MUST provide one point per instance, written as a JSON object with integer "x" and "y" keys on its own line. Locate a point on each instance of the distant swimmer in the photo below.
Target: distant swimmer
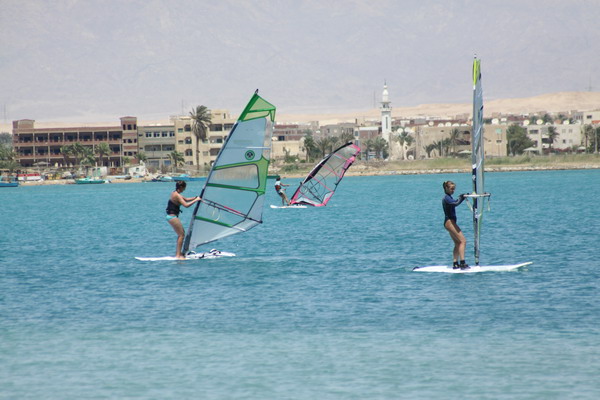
{"x": 449, "y": 205}
{"x": 173, "y": 209}
{"x": 279, "y": 188}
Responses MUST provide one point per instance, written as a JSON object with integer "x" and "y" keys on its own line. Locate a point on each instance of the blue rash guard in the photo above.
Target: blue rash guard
{"x": 449, "y": 205}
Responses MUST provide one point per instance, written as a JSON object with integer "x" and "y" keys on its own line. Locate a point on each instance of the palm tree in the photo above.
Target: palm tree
{"x": 404, "y": 138}
{"x": 429, "y": 148}
{"x": 588, "y": 132}
{"x": 141, "y": 156}
{"x": 202, "y": 119}
{"x": 66, "y": 151}
{"x": 380, "y": 145}
{"x": 310, "y": 147}
{"x": 347, "y": 137}
{"x": 103, "y": 149}
{"x": 78, "y": 152}
{"x": 368, "y": 147}
{"x": 446, "y": 145}
{"x": 324, "y": 146}
{"x": 552, "y": 135}
{"x": 177, "y": 159}
{"x": 454, "y": 136}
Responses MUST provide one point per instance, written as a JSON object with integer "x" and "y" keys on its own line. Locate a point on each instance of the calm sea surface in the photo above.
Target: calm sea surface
{"x": 318, "y": 304}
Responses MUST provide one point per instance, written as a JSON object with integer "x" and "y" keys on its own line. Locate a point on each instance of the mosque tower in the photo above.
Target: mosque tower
{"x": 386, "y": 115}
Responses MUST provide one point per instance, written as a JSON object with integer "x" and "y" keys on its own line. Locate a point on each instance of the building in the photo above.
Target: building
{"x": 428, "y": 138}
{"x": 42, "y": 146}
{"x": 569, "y": 137}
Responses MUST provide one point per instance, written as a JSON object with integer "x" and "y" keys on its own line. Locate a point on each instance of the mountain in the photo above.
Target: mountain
{"x": 86, "y": 60}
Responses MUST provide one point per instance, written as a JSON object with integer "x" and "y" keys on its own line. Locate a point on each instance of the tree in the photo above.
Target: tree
{"x": 404, "y": 138}
{"x": 78, "y": 152}
{"x": 347, "y": 137}
{"x": 202, "y": 119}
{"x": 517, "y": 139}
{"x": 588, "y": 134}
{"x": 324, "y": 146}
{"x": 454, "y": 136}
{"x": 311, "y": 148}
{"x": 552, "y": 135}
{"x": 87, "y": 156}
{"x": 8, "y": 158}
{"x": 103, "y": 149}
{"x": 67, "y": 151}
{"x": 368, "y": 147}
{"x": 429, "y": 148}
{"x": 176, "y": 159}
{"x": 141, "y": 156}
{"x": 381, "y": 147}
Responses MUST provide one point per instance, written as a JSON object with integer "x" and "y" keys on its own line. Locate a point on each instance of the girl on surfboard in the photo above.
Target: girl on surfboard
{"x": 173, "y": 209}
{"x": 449, "y": 205}
{"x": 281, "y": 191}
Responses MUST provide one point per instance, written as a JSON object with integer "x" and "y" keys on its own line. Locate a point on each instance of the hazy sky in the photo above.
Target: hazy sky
{"x": 88, "y": 60}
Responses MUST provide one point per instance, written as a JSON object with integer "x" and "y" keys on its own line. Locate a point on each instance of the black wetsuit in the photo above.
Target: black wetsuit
{"x": 449, "y": 205}
{"x": 173, "y": 209}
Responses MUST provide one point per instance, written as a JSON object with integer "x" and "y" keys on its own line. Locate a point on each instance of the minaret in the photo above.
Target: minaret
{"x": 386, "y": 115}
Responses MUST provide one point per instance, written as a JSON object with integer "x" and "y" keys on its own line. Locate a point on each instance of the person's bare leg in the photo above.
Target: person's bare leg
{"x": 178, "y": 228}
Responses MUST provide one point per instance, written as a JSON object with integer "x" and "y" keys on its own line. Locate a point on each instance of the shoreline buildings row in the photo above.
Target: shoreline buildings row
{"x": 43, "y": 146}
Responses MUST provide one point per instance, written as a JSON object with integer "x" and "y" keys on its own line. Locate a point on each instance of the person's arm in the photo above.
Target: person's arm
{"x": 187, "y": 202}
{"x": 449, "y": 200}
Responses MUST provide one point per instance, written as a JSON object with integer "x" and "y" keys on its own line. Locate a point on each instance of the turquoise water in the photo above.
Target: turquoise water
{"x": 318, "y": 304}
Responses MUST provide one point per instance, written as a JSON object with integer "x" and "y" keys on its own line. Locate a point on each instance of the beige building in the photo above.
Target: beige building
{"x": 42, "y": 146}
{"x": 569, "y": 136}
{"x": 494, "y": 139}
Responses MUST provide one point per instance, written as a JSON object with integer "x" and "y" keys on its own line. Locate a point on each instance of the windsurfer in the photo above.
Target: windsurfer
{"x": 460, "y": 242}
{"x": 173, "y": 209}
{"x": 279, "y": 188}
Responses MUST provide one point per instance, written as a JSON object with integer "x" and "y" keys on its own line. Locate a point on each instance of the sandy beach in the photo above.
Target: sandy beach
{"x": 432, "y": 166}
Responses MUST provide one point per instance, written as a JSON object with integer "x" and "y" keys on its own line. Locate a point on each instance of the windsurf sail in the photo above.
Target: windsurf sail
{"x": 477, "y": 157}
{"x": 320, "y": 184}
{"x": 234, "y": 192}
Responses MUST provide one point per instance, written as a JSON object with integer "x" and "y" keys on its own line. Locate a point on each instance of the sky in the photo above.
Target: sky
{"x": 98, "y": 60}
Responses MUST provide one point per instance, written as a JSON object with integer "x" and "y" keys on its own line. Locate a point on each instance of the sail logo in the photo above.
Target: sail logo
{"x": 249, "y": 155}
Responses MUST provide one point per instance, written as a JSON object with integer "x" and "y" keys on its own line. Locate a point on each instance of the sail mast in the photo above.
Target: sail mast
{"x": 477, "y": 155}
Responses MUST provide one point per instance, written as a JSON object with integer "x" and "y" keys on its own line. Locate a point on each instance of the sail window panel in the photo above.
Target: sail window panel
{"x": 243, "y": 176}
{"x": 230, "y": 201}
{"x": 246, "y": 144}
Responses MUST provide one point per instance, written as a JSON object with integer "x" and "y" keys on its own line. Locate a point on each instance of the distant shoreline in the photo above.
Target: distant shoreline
{"x": 380, "y": 169}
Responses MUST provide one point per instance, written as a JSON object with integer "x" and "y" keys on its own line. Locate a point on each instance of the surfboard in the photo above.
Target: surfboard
{"x": 193, "y": 256}
{"x": 477, "y": 268}
{"x": 292, "y": 206}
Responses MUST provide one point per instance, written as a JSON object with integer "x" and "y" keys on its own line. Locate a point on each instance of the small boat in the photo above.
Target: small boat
{"x": 6, "y": 181}
{"x": 83, "y": 181}
{"x": 188, "y": 178}
{"x": 162, "y": 178}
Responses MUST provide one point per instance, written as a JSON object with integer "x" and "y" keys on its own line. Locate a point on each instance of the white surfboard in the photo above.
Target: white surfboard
{"x": 292, "y": 206}
{"x": 477, "y": 268}
{"x": 193, "y": 256}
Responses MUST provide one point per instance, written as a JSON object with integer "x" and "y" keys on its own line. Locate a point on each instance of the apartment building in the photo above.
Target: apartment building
{"x": 42, "y": 146}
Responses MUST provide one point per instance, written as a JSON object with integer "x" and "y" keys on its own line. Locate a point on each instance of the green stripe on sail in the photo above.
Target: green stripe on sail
{"x": 476, "y": 70}
{"x": 258, "y": 108}
{"x": 213, "y": 221}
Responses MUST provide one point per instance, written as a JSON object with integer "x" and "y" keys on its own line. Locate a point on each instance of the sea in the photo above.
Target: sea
{"x": 319, "y": 303}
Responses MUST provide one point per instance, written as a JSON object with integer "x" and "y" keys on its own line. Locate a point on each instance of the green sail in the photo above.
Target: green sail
{"x": 234, "y": 192}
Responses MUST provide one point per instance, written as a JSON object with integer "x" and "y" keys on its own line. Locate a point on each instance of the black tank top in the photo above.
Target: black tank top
{"x": 173, "y": 208}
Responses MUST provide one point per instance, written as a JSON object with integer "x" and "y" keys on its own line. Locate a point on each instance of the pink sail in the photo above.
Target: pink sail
{"x": 320, "y": 184}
